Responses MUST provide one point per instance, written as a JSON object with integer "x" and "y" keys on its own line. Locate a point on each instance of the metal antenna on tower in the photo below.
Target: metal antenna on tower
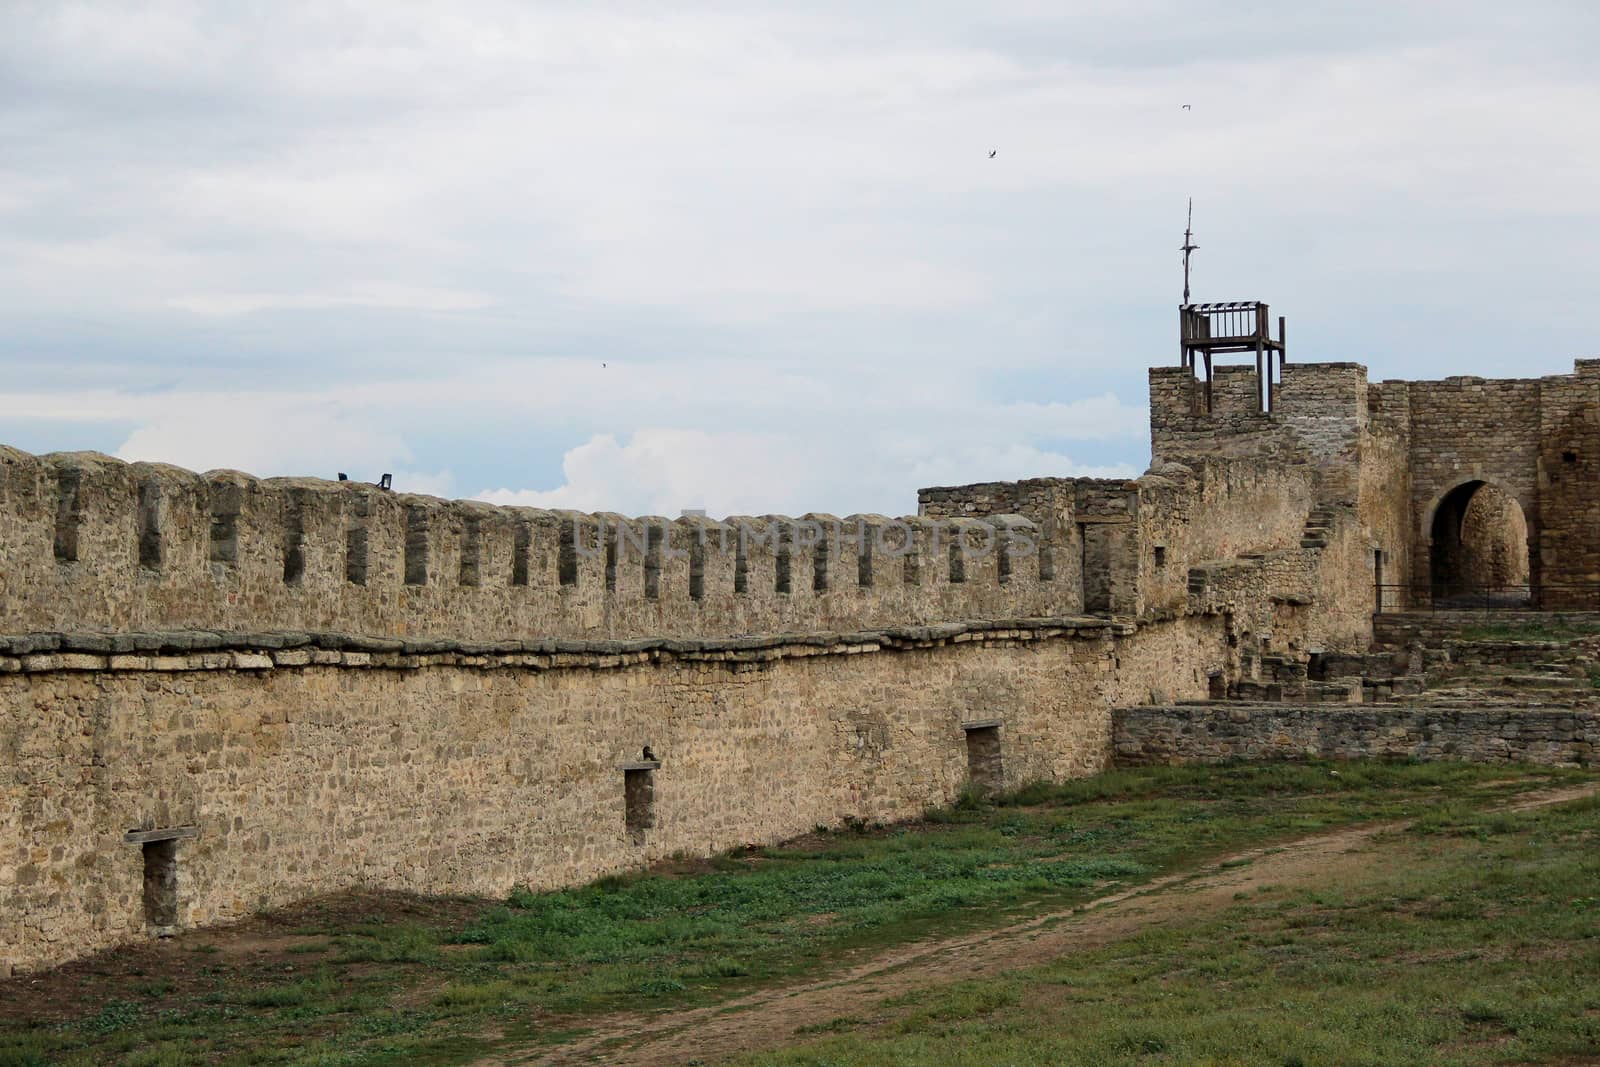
{"x": 1188, "y": 247}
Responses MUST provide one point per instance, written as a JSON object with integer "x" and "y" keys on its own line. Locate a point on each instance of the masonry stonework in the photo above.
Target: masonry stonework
{"x": 279, "y": 687}
{"x": 1216, "y": 734}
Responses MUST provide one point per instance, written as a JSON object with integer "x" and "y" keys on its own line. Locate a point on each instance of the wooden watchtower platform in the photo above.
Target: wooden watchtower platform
{"x": 1206, "y": 330}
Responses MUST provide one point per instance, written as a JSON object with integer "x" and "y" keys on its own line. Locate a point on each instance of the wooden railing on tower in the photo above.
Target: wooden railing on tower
{"x": 1237, "y": 326}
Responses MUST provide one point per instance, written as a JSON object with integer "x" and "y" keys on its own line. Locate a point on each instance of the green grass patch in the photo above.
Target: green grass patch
{"x": 406, "y": 988}
{"x": 1531, "y": 630}
{"x": 1476, "y": 942}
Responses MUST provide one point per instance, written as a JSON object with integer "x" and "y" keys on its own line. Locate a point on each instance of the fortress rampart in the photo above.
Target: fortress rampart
{"x": 220, "y": 693}
{"x": 94, "y": 543}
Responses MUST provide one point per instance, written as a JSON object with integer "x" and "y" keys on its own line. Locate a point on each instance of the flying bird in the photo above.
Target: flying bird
{"x": 991, "y": 154}
{"x": 1186, "y": 107}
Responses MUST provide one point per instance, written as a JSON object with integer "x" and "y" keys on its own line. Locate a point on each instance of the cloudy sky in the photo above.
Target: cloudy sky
{"x": 756, "y": 257}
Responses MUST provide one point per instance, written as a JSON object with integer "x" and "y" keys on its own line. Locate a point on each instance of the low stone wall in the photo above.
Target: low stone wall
{"x": 1433, "y": 628}
{"x": 1216, "y": 733}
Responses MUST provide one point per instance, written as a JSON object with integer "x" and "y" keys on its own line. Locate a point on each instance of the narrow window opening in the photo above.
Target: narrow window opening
{"x": 639, "y": 802}
{"x": 355, "y": 555}
{"x": 1002, "y": 556}
{"x": 985, "y": 770}
{"x": 150, "y": 526}
{"x": 416, "y": 546}
{"x": 69, "y": 516}
{"x": 471, "y": 549}
{"x": 611, "y": 563}
{"x": 781, "y": 570}
{"x": 226, "y": 503}
{"x": 161, "y": 883}
{"x": 521, "y": 543}
{"x": 1569, "y": 456}
{"x": 864, "y": 558}
{"x": 958, "y": 558}
{"x": 355, "y": 539}
{"x": 912, "y": 566}
{"x": 294, "y": 539}
{"x": 654, "y": 535}
{"x": 819, "y": 565}
{"x": 1161, "y": 557}
{"x": 697, "y": 565}
{"x": 567, "y": 554}
{"x": 741, "y": 565}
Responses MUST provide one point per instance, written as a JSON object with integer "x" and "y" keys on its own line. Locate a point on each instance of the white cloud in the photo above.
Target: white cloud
{"x": 371, "y": 295}
{"x": 664, "y": 472}
{"x": 387, "y": 235}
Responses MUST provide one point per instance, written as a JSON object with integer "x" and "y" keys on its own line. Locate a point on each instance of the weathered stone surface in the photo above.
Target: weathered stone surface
{"x": 341, "y": 686}
{"x": 304, "y": 776}
{"x": 1215, "y": 733}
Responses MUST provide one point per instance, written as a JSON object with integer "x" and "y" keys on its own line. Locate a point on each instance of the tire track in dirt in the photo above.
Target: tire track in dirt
{"x": 770, "y": 1017}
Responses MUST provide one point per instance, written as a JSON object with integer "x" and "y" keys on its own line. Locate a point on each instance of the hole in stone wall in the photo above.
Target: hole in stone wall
{"x": 697, "y": 566}
{"x": 780, "y": 580}
{"x": 471, "y": 549}
{"x": 567, "y": 554}
{"x": 958, "y": 560}
{"x": 226, "y": 502}
{"x": 294, "y": 538}
{"x": 1569, "y": 456}
{"x": 864, "y": 558}
{"x": 521, "y": 543}
{"x": 911, "y": 567}
{"x": 611, "y": 563}
{"x": 985, "y": 770}
{"x": 1161, "y": 556}
{"x": 741, "y": 566}
{"x": 819, "y": 566}
{"x": 654, "y": 535}
{"x": 416, "y": 546}
{"x": 69, "y": 516}
{"x": 639, "y": 801}
{"x": 1002, "y": 557}
{"x": 355, "y": 555}
{"x": 150, "y": 526}
{"x": 161, "y": 882}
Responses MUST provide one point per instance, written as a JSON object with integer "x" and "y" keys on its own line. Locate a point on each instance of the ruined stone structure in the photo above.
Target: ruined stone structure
{"x": 219, "y": 694}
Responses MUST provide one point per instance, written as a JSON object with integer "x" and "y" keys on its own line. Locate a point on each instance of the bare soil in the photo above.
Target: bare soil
{"x": 771, "y": 1017}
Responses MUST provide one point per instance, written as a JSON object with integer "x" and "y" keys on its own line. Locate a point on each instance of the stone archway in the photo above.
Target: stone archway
{"x": 1478, "y": 548}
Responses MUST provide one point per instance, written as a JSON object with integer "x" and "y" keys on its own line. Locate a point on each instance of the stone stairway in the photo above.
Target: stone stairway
{"x": 1440, "y": 660}
{"x": 1523, "y": 657}
{"x": 1318, "y": 523}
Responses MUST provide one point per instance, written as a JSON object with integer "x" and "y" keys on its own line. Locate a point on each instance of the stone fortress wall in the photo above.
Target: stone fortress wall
{"x": 255, "y": 690}
{"x": 95, "y": 543}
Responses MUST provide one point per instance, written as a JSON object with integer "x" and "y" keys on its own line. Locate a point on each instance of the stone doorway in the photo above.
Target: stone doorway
{"x": 985, "y": 769}
{"x": 1479, "y": 549}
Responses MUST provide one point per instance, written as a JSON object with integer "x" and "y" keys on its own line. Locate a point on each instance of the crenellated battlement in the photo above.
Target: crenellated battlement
{"x": 93, "y": 542}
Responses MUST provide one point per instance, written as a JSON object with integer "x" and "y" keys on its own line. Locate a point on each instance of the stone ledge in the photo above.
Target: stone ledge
{"x": 200, "y": 650}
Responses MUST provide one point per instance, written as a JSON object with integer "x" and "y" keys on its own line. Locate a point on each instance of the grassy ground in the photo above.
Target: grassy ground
{"x": 1479, "y": 944}
{"x": 1529, "y": 630}
{"x": 371, "y": 982}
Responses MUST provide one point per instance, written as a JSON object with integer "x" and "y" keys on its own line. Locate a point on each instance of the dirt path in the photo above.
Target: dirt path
{"x": 770, "y": 1017}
